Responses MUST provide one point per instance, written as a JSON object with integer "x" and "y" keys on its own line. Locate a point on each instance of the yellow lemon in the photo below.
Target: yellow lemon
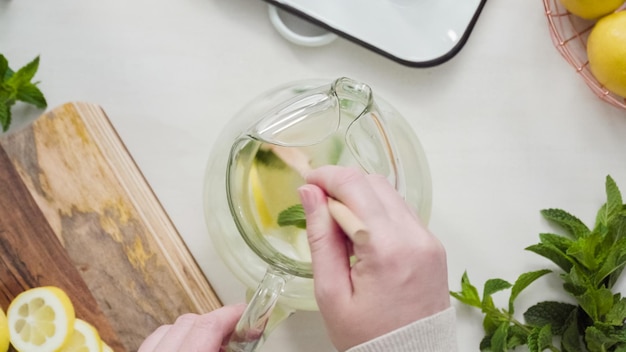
{"x": 606, "y": 51}
{"x": 106, "y": 348}
{"x": 4, "y": 332}
{"x": 85, "y": 338}
{"x": 591, "y": 9}
{"x": 40, "y": 319}
{"x": 273, "y": 190}
{"x": 259, "y": 200}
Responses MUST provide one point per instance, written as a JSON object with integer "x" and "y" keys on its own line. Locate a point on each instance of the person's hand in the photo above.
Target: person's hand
{"x": 400, "y": 273}
{"x": 195, "y": 333}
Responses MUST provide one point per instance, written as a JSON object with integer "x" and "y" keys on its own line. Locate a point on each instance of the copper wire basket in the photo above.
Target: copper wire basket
{"x": 569, "y": 34}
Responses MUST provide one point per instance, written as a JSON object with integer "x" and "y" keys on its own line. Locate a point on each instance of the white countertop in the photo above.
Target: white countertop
{"x": 508, "y": 127}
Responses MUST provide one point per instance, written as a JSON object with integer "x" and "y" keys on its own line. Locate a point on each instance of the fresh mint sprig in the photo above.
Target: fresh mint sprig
{"x": 18, "y": 86}
{"x": 591, "y": 260}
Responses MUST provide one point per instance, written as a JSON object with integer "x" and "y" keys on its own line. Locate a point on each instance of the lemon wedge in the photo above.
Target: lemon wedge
{"x": 85, "y": 338}
{"x": 4, "y": 332}
{"x": 273, "y": 190}
{"x": 40, "y": 319}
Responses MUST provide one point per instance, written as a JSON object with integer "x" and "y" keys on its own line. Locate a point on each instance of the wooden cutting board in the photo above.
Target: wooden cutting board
{"x": 76, "y": 212}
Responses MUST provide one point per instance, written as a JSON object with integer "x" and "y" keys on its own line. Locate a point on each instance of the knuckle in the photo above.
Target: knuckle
{"x": 187, "y": 319}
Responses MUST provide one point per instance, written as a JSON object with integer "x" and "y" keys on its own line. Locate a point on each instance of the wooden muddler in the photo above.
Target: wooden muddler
{"x": 351, "y": 225}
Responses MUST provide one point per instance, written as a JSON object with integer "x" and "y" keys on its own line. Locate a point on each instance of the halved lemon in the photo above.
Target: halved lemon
{"x": 40, "y": 319}
{"x": 85, "y": 338}
{"x": 4, "y": 332}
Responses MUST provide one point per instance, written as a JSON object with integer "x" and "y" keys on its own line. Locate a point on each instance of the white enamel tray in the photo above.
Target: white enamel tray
{"x": 417, "y": 33}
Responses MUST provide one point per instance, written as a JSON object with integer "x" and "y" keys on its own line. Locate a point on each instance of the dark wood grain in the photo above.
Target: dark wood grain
{"x": 106, "y": 220}
{"x": 32, "y": 256}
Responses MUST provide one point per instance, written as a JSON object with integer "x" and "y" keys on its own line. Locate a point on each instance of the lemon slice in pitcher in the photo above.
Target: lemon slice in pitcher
{"x": 40, "y": 319}
{"x": 85, "y": 338}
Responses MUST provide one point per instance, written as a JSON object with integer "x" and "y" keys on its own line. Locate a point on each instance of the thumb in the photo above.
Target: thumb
{"x": 329, "y": 252}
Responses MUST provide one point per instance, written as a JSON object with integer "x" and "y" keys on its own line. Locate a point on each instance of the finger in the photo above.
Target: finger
{"x": 349, "y": 186}
{"x": 329, "y": 254}
{"x": 397, "y": 206}
{"x": 175, "y": 335}
{"x": 209, "y": 331}
{"x": 150, "y": 343}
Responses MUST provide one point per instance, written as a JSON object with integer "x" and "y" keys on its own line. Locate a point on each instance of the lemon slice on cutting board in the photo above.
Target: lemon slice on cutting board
{"x": 85, "y": 338}
{"x": 4, "y": 332}
{"x": 40, "y": 319}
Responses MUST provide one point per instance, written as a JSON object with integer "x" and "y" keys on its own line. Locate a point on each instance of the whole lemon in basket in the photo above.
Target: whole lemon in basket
{"x": 606, "y": 51}
{"x": 591, "y": 9}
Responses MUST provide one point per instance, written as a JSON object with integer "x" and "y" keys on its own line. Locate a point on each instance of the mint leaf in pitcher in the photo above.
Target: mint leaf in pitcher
{"x": 293, "y": 216}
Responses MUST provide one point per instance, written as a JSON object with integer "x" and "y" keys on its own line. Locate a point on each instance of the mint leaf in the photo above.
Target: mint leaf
{"x": 533, "y": 340}
{"x": 567, "y": 221}
{"x": 560, "y": 242}
{"x": 554, "y": 254}
{"x": 596, "y": 302}
{"x": 18, "y": 86}
{"x": 499, "y": 338}
{"x": 544, "y": 339}
{"x": 5, "y": 115}
{"x": 293, "y": 216}
{"x": 550, "y": 312}
{"x": 613, "y": 205}
{"x": 571, "y": 340}
{"x": 468, "y": 294}
{"x": 492, "y": 286}
{"x": 4, "y": 67}
{"x": 597, "y": 340}
{"x": 24, "y": 75}
{"x": 584, "y": 250}
{"x": 617, "y": 314}
{"x": 268, "y": 158}
{"x": 518, "y": 336}
{"x": 29, "y": 93}
{"x": 522, "y": 282}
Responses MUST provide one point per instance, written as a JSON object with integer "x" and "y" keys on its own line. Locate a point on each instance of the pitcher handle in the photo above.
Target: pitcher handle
{"x": 250, "y": 331}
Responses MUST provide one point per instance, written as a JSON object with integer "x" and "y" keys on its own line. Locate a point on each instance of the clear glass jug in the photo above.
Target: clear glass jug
{"x": 254, "y": 171}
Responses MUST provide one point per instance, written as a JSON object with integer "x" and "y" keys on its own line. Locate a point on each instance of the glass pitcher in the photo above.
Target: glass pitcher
{"x": 254, "y": 171}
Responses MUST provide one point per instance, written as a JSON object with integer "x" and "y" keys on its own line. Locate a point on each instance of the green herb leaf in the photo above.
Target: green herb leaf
{"x": 5, "y": 115}
{"x": 613, "y": 205}
{"x": 617, "y": 315}
{"x": 571, "y": 340}
{"x": 567, "y": 221}
{"x": 24, "y": 75}
{"x": 18, "y": 86}
{"x": 549, "y": 312}
{"x": 293, "y": 216}
{"x": 592, "y": 262}
{"x": 522, "y": 282}
{"x": 554, "y": 254}
{"x": 597, "y": 340}
{"x": 468, "y": 294}
{"x": 268, "y": 158}
{"x": 492, "y": 286}
{"x": 544, "y": 339}
{"x": 596, "y": 302}
{"x": 4, "y": 67}
{"x": 499, "y": 338}
{"x": 29, "y": 93}
{"x": 533, "y": 340}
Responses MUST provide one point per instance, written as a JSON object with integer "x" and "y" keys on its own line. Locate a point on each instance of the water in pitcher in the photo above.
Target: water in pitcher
{"x": 268, "y": 183}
